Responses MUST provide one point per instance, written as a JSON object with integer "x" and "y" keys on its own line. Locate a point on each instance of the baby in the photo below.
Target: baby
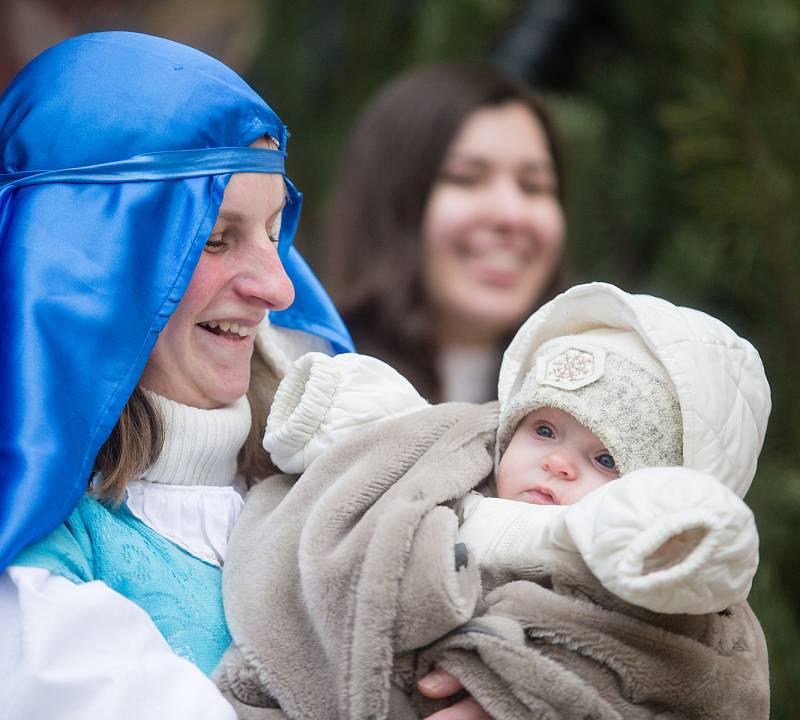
{"x": 590, "y": 446}
{"x": 593, "y": 406}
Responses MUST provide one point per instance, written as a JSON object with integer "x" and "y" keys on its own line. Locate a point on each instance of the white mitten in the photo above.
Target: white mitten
{"x": 323, "y": 399}
{"x": 505, "y": 532}
{"x": 672, "y": 540}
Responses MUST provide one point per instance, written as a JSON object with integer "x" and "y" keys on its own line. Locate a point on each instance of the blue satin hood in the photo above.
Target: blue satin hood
{"x": 115, "y": 152}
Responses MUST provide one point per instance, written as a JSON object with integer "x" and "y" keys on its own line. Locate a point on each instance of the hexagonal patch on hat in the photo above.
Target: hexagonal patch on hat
{"x": 571, "y": 366}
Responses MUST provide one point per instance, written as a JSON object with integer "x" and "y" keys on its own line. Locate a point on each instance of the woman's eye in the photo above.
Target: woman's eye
{"x": 607, "y": 461}
{"x": 215, "y": 243}
{"x": 462, "y": 179}
{"x": 537, "y": 187}
{"x": 274, "y": 230}
{"x": 544, "y": 431}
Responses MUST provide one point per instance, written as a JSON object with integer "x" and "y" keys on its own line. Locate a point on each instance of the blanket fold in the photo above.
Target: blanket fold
{"x": 342, "y": 587}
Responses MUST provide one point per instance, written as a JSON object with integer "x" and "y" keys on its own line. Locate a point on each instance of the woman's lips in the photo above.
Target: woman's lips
{"x": 542, "y": 496}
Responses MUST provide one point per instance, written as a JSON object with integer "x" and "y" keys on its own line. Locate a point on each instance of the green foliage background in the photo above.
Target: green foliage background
{"x": 682, "y": 142}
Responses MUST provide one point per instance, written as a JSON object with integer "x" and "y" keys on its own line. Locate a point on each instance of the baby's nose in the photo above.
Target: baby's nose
{"x": 561, "y": 466}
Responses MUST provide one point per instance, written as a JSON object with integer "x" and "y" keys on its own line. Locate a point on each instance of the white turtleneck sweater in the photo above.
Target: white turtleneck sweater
{"x": 193, "y": 495}
{"x": 78, "y": 651}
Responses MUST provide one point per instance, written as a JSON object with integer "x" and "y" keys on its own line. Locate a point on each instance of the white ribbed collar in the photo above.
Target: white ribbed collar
{"x": 200, "y": 446}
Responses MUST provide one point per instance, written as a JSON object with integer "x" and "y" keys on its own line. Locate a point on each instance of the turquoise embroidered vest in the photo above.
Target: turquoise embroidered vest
{"x": 181, "y": 593}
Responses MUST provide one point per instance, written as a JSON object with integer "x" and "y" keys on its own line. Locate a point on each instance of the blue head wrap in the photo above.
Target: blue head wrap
{"x": 116, "y": 150}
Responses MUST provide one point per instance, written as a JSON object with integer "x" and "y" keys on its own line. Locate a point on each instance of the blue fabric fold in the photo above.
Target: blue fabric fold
{"x": 115, "y": 150}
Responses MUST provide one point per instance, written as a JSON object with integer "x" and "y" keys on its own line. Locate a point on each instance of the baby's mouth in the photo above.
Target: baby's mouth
{"x": 225, "y": 328}
{"x": 542, "y": 496}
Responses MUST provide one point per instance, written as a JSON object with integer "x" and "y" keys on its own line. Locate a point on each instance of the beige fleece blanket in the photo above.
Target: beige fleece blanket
{"x": 341, "y": 589}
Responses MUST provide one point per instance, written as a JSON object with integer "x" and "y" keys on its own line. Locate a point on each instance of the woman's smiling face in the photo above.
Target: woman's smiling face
{"x": 202, "y": 357}
{"x": 493, "y": 228}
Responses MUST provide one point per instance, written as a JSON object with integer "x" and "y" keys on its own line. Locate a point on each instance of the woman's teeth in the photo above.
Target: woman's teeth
{"x": 502, "y": 260}
{"x": 230, "y": 328}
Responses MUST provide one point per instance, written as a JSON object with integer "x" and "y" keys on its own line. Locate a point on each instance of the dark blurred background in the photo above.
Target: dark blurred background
{"x": 679, "y": 121}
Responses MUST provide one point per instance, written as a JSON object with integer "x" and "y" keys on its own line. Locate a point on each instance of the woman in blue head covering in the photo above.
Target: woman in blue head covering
{"x": 153, "y": 300}
{"x": 145, "y": 232}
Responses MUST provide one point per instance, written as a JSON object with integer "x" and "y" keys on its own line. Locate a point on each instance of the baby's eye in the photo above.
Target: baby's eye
{"x": 543, "y": 430}
{"x": 607, "y": 461}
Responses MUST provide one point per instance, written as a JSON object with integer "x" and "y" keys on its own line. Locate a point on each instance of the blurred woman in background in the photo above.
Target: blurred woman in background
{"x": 445, "y": 228}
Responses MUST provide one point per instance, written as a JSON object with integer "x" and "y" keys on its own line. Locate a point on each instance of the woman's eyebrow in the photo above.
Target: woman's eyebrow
{"x": 234, "y": 216}
{"x": 538, "y": 166}
{"x": 533, "y": 166}
{"x": 466, "y": 158}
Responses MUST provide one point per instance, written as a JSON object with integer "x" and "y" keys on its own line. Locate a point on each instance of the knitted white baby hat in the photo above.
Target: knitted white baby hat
{"x": 612, "y": 384}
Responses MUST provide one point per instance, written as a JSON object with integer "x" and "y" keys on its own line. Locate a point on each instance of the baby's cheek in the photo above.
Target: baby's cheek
{"x": 510, "y": 484}
{"x": 503, "y": 481}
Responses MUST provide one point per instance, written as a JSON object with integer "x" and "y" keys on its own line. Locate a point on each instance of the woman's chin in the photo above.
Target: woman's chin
{"x": 484, "y": 324}
{"x": 212, "y": 393}
{"x": 226, "y": 394}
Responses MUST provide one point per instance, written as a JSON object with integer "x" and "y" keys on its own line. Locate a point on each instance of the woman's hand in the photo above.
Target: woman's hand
{"x": 440, "y": 684}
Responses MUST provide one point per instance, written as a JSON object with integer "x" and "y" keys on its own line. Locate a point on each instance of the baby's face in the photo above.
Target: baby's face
{"x": 553, "y": 460}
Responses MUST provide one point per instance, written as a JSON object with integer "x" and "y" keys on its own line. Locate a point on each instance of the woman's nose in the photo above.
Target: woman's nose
{"x": 508, "y": 204}
{"x": 560, "y": 465}
{"x": 263, "y": 278}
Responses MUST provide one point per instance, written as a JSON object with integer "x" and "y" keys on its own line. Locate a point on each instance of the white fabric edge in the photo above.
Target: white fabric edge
{"x": 197, "y": 518}
{"x": 75, "y": 651}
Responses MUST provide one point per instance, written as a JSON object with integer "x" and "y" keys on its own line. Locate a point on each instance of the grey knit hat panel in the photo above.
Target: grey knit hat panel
{"x": 612, "y": 385}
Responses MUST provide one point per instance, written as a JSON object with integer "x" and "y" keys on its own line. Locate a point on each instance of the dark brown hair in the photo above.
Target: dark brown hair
{"x": 133, "y": 446}
{"x": 371, "y": 228}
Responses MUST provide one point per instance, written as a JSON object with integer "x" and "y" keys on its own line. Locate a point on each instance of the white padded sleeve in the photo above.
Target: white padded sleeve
{"x": 619, "y": 526}
{"x": 83, "y": 651}
{"x": 506, "y": 532}
{"x": 323, "y": 399}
